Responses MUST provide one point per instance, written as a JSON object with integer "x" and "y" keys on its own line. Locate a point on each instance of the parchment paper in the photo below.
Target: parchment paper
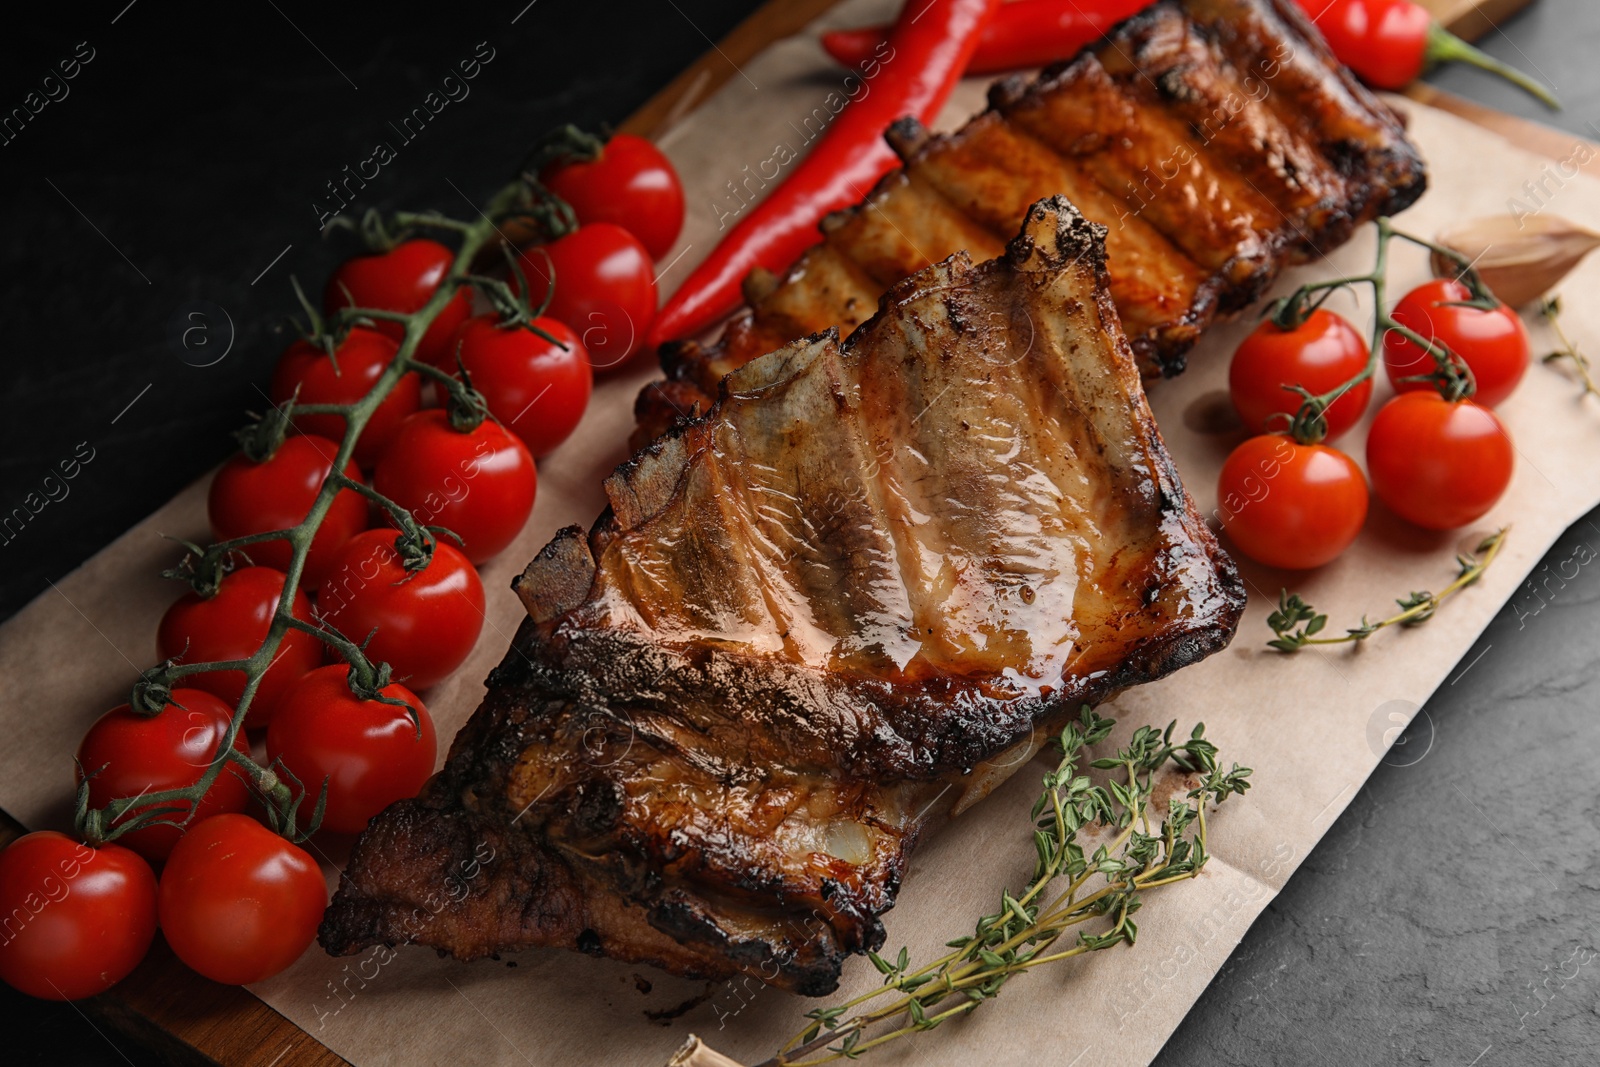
{"x": 1313, "y": 726}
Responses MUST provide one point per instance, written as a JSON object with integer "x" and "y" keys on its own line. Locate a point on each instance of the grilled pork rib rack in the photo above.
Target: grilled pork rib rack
{"x": 813, "y": 622}
{"x": 1217, "y": 140}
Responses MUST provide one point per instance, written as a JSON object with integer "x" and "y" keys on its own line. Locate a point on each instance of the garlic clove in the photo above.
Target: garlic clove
{"x": 1519, "y": 260}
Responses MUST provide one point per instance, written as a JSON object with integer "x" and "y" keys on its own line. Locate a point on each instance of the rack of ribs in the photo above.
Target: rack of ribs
{"x": 815, "y": 621}
{"x": 1217, "y": 140}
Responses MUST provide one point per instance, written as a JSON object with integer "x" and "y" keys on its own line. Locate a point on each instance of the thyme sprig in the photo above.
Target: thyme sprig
{"x": 1071, "y": 886}
{"x": 1551, "y": 310}
{"x": 1296, "y": 624}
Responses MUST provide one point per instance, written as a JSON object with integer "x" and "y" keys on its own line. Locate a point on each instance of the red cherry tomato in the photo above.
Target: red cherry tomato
{"x": 1437, "y": 463}
{"x": 402, "y": 279}
{"x": 248, "y": 497}
{"x": 1291, "y": 505}
{"x": 1321, "y": 354}
{"x": 239, "y": 903}
{"x": 1494, "y": 344}
{"x": 534, "y": 388}
{"x": 369, "y": 752}
{"x": 77, "y": 919}
{"x": 479, "y": 485}
{"x": 1384, "y": 41}
{"x": 631, "y": 184}
{"x": 231, "y": 624}
{"x": 423, "y": 624}
{"x": 605, "y": 289}
{"x": 343, "y": 378}
{"x": 126, "y": 754}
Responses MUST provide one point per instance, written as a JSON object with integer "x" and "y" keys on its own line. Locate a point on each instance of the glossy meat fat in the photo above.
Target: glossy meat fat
{"x": 810, "y": 624}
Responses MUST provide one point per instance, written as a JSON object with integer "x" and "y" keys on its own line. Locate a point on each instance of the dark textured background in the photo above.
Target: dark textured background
{"x": 1449, "y": 916}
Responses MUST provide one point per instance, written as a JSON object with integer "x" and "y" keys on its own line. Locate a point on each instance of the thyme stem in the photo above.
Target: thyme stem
{"x": 1551, "y": 310}
{"x": 1021, "y": 935}
{"x": 1297, "y": 623}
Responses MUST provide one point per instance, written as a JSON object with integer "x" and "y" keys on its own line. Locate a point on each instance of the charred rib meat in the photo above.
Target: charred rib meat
{"x": 807, "y": 625}
{"x": 1217, "y": 140}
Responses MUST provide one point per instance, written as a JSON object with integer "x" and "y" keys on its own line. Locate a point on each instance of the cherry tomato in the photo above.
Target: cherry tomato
{"x": 248, "y": 497}
{"x": 369, "y": 752}
{"x": 631, "y": 184}
{"x": 605, "y": 289}
{"x": 126, "y": 754}
{"x": 534, "y": 388}
{"x": 479, "y": 485}
{"x": 77, "y": 919}
{"x": 1321, "y": 354}
{"x": 1384, "y": 41}
{"x": 1291, "y": 505}
{"x": 423, "y": 624}
{"x": 402, "y": 279}
{"x": 1438, "y": 463}
{"x": 231, "y": 624}
{"x": 1494, "y": 344}
{"x": 239, "y": 903}
{"x": 343, "y": 378}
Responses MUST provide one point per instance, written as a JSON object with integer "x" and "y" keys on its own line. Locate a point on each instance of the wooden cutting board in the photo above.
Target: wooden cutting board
{"x": 190, "y": 1020}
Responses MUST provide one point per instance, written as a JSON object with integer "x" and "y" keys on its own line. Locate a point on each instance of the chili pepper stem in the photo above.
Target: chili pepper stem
{"x": 1445, "y": 47}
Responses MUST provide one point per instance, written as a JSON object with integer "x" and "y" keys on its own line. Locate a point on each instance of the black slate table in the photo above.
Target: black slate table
{"x": 184, "y": 165}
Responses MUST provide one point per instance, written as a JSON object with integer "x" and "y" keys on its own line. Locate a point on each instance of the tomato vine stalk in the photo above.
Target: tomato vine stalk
{"x": 1451, "y": 376}
{"x": 282, "y": 795}
{"x": 1296, "y": 624}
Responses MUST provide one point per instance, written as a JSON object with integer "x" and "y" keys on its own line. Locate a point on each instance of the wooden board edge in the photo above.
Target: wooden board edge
{"x": 1547, "y": 141}
{"x": 769, "y": 23}
{"x": 1473, "y": 19}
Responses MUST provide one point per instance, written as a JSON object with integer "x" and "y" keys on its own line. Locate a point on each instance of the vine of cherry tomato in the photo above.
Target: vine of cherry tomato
{"x": 249, "y": 497}
{"x": 368, "y": 752}
{"x": 343, "y": 378}
{"x": 238, "y": 903}
{"x": 536, "y": 389}
{"x": 402, "y": 279}
{"x": 1320, "y": 354}
{"x": 1436, "y": 462}
{"x": 423, "y": 623}
{"x": 1492, "y": 343}
{"x": 78, "y": 919}
{"x": 125, "y": 754}
{"x": 230, "y": 625}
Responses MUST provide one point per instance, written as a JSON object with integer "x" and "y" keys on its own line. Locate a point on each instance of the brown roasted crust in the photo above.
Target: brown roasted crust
{"x": 813, "y": 621}
{"x": 1218, "y": 141}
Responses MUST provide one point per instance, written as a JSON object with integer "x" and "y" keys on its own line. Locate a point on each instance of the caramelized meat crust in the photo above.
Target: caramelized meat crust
{"x": 840, "y": 606}
{"x": 1217, "y": 140}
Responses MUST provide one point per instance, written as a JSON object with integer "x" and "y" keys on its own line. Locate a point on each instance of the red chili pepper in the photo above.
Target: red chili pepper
{"x": 919, "y": 65}
{"x": 1390, "y": 42}
{"x": 1023, "y": 33}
